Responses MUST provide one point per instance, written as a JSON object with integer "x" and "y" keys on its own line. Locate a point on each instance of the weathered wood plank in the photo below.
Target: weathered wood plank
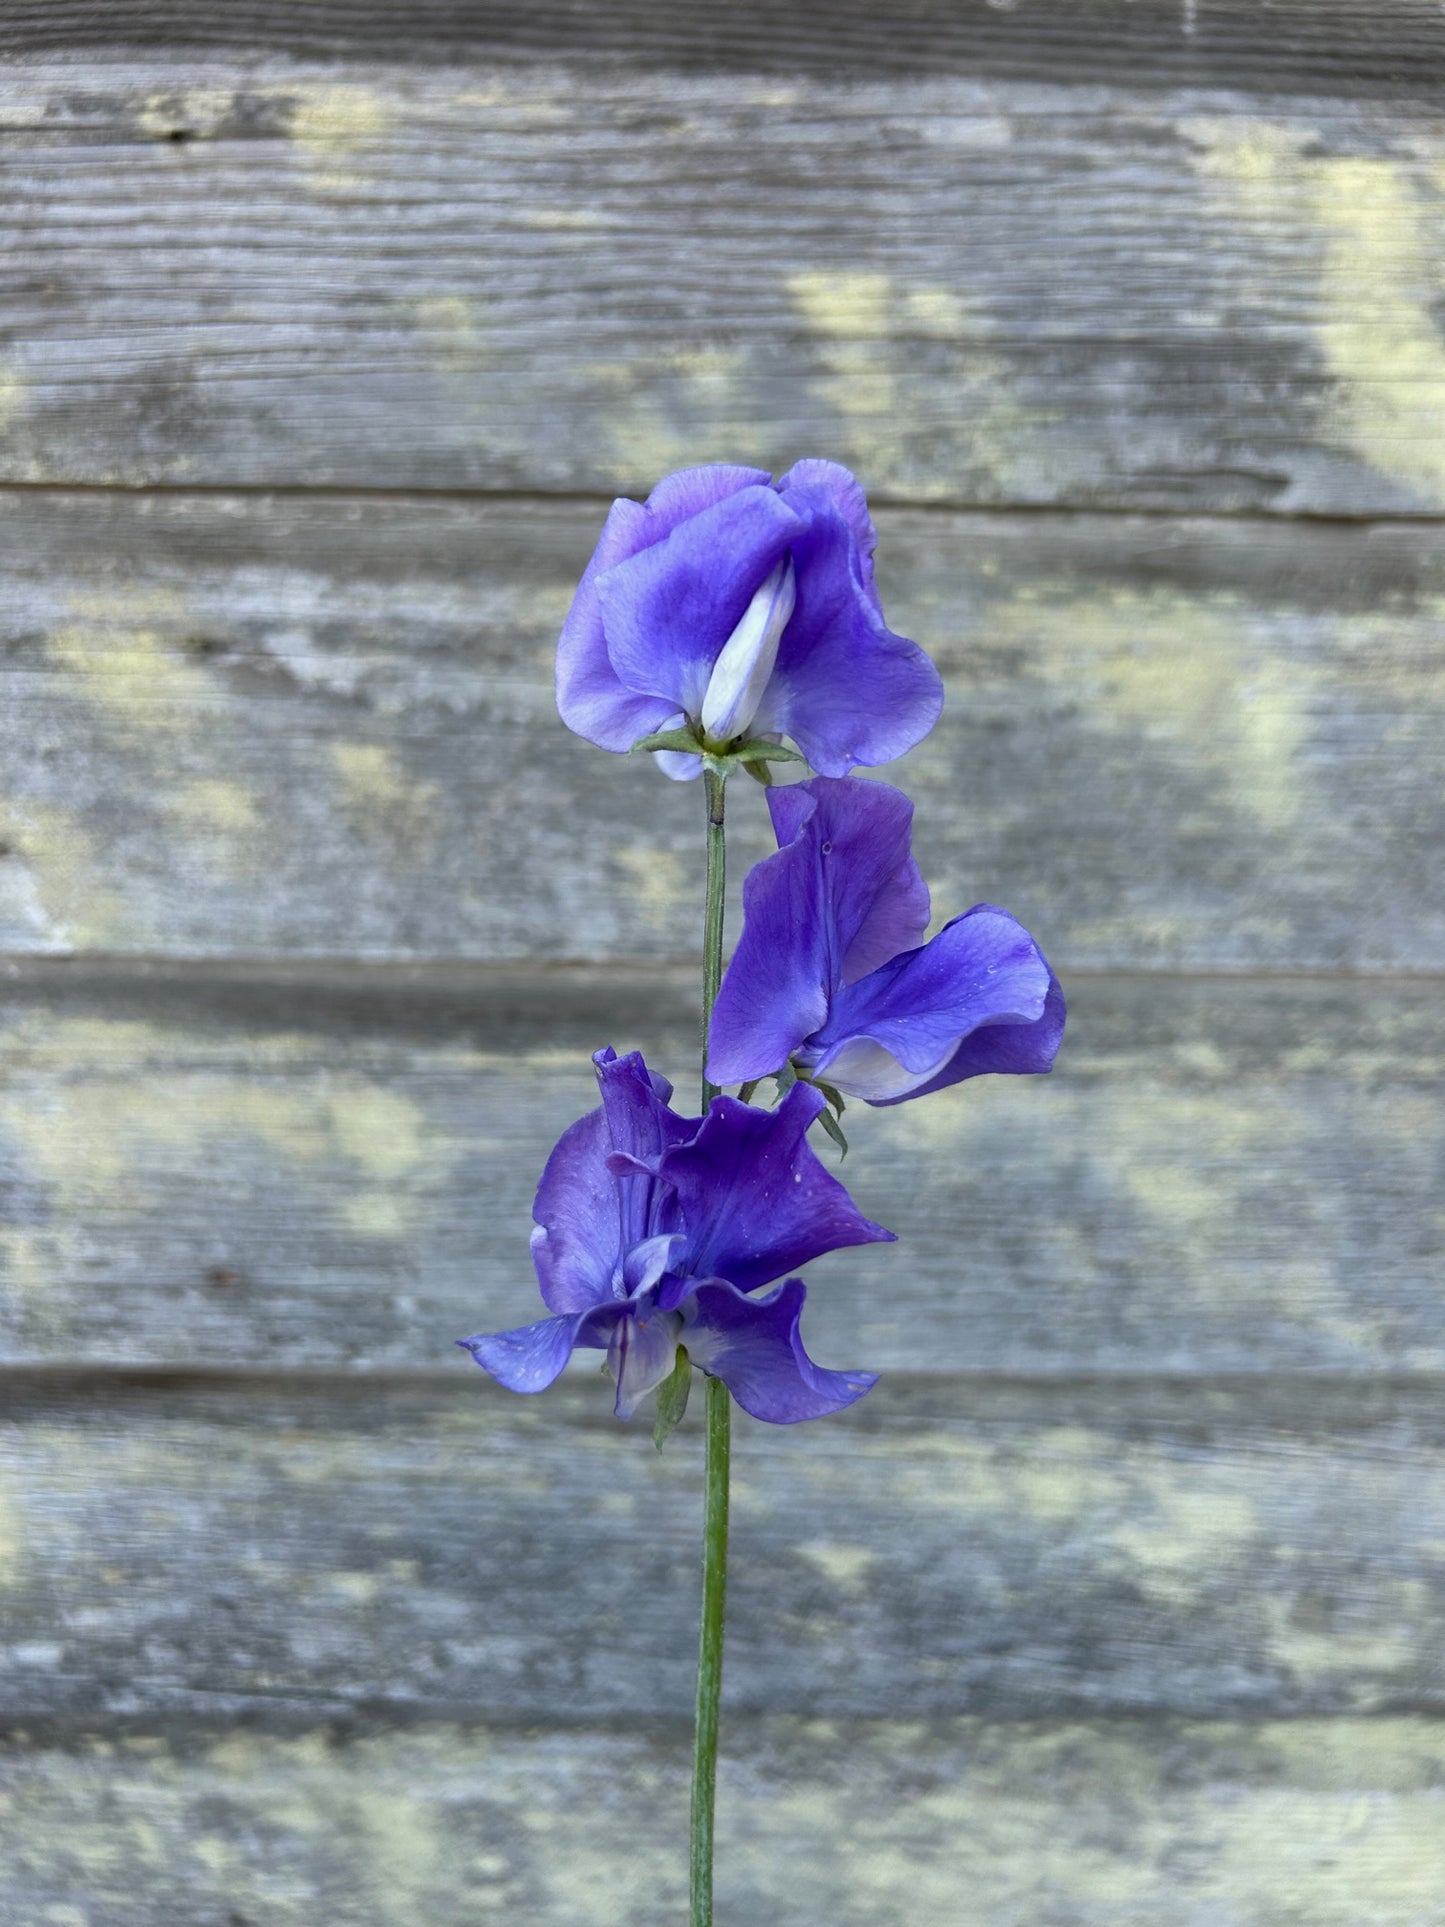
{"x": 1306, "y": 1824}
{"x": 1395, "y": 51}
{"x": 253, "y": 270}
{"x": 245, "y": 726}
{"x": 300, "y": 1552}
{"x": 339, "y": 1174}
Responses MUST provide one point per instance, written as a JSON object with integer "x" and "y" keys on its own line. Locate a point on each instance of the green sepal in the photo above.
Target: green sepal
{"x": 760, "y": 773}
{"x": 672, "y": 1399}
{"x": 761, "y": 750}
{"x": 830, "y": 1115}
{"x": 834, "y": 1097}
{"x": 745, "y": 1091}
{"x": 680, "y": 739}
{"x": 785, "y": 1079}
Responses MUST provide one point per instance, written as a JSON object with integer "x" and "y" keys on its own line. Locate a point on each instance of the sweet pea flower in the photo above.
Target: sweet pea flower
{"x": 831, "y": 972}
{"x": 654, "y": 1231}
{"x": 735, "y": 607}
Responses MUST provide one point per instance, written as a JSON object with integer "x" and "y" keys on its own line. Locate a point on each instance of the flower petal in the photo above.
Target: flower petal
{"x": 1010, "y": 1049}
{"x": 530, "y": 1358}
{"x": 641, "y": 1354}
{"x": 587, "y": 1219}
{"x": 859, "y": 835}
{"x": 752, "y": 1345}
{"x": 844, "y": 489}
{"x": 641, "y": 1126}
{"x": 846, "y": 688}
{"x": 591, "y": 698}
{"x": 843, "y": 895}
{"x": 668, "y": 611}
{"x": 745, "y": 662}
{"x": 981, "y": 969}
{"x": 645, "y": 1264}
{"x": 577, "y": 1244}
{"x": 754, "y": 1199}
{"x": 688, "y": 491}
{"x": 679, "y": 765}
{"x": 774, "y": 992}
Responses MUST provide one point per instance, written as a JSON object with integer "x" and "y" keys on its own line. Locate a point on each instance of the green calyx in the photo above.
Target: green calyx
{"x": 829, "y": 1116}
{"x": 834, "y": 1107}
{"x": 672, "y": 1399}
{"x": 752, "y": 754}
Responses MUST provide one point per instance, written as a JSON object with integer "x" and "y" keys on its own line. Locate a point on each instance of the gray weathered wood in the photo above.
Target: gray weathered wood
{"x": 246, "y": 726}
{"x": 295, "y": 1553}
{"x": 1396, "y": 51}
{"x": 337, "y": 1172}
{"x": 949, "y": 1824}
{"x": 248, "y": 269}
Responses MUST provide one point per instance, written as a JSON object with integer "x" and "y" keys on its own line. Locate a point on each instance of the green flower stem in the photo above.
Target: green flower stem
{"x": 715, "y": 788}
{"x": 719, "y": 1445}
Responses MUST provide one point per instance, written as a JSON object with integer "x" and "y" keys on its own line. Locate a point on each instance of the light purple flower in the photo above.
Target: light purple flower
{"x": 654, "y": 1231}
{"x": 831, "y": 971}
{"x": 743, "y": 608}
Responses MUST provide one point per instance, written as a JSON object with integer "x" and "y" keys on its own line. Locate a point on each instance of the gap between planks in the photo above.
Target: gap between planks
{"x": 23, "y": 971}
{"x": 545, "y": 499}
{"x": 1275, "y": 1395}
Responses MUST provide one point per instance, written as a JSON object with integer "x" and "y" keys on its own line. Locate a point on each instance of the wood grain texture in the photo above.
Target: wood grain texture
{"x": 1395, "y": 52}
{"x": 249, "y": 269}
{"x": 1124, "y": 1824}
{"x": 246, "y": 726}
{"x": 295, "y": 1554}
{"x": 337, "y": 1174}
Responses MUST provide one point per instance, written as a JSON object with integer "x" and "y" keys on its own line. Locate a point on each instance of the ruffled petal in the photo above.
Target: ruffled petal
{"x": 668, "y": 611}
{"x": 804, "y": 479}
{"x": 530, "y": 1358}
{"x": 842, "y": 896}
{"x": 1019, "y": 1050}
{"x": 981, "y": 969}
{"x": 775, "y": 990}
{"x": 587, "y": 1219}
{"x": 752, "y": 1345}
{"x": 577, "y": 1244}
{"x": 640, "y": 1125}
{"x": 591, "y": 697}
{"x": 846, "y": 688}
{"x": 641, "y": 1354}
{"x": 859, "y": 836}
{"x": 688, "y": 491}
{"x": 755, "y": 1201}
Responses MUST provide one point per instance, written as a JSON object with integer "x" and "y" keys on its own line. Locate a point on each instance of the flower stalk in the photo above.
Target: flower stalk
{"x": 721, "y": 616}
{"x": 719, "y": 1439}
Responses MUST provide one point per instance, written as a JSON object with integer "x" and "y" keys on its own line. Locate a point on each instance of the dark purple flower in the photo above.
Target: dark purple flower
{"x": 742, "y": 607}
{"x": 831, "y": 970}
{"x": 653, "y": 1231}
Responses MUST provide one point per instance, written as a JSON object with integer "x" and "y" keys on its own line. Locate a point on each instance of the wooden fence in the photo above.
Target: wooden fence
{"x": 328, "y": 332}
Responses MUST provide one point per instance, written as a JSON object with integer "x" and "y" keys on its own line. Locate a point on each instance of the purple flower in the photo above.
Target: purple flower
{"x": 654, "y": 1231}
{"x": 832, "y": 973}
{"x": 738, "y": 607}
